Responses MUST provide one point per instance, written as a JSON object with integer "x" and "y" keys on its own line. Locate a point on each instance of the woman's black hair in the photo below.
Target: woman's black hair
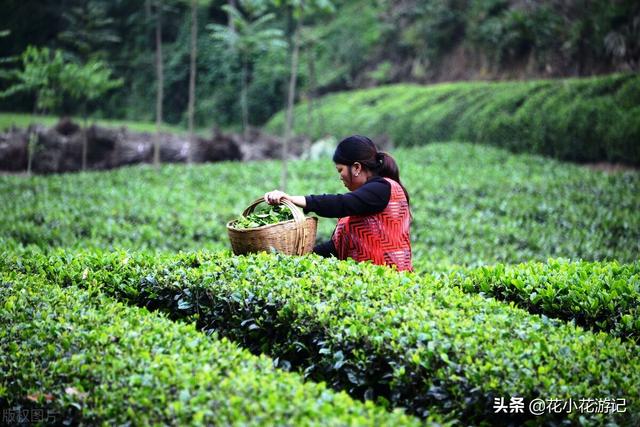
{"x": 358, "y": 148}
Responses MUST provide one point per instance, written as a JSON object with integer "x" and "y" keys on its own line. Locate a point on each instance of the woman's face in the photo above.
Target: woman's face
{"x": 351, "y": 181}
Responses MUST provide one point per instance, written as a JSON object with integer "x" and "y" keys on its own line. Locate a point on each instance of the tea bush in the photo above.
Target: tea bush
{"x": 600, "y": 296}
{"x": 584, "y": 120}
{"x": 401, "y": 339}
{"x": 414, "y": 341}
{"x": 83, "y": 359}
{"x": 472, "y": 205}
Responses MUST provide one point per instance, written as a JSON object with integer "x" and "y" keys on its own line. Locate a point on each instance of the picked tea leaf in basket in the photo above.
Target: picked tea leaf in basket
{"x": 283, "y": 228}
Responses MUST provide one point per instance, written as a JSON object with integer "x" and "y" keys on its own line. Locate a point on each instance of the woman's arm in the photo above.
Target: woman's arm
{"x": 370, "y": 198}
{"x": 298, "y": 201}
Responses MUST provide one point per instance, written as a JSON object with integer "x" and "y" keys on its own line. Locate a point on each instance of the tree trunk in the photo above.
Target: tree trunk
{"x": 160, "y": 91}
{"x": 243, "y": 99}
{"x": 192, "y": 78}
{"x": 84, "y": 138}
{"x": 232, "y": 25}
{"x": 31, "y": 145}
{"x": 313, "y": 80}
{"x": 290, "y": 100}
{"x": 31, "y": 141}
{"x": 311, "y": 94}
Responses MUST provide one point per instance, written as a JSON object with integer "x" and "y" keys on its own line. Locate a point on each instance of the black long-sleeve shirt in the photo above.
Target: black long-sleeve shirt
{"x": 372, "y": 197}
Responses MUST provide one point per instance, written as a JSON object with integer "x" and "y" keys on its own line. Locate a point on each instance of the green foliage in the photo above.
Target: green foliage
{"x": 382, "y": 73}
{"x": 507, "y": 33}
{"x": 302, "y": 9}
{"x": 89, "y": 31}
{"x": 427, "y": 343}
{"x": 472, "y": 205}
{"x": 52, "y": 78}
{"x": 399, "y": 338}
{"x": 424, "y": 39}
{"x": 344, "y": 44}
{"x": 272, "y": 215}
{"x": 584, "y": 120}
{"x": 249, "y": 38}
{"x": 435, "y": 26}
{"x": 89, "y": 81}
{"x": 41, "y": 75}
{"x": 599, "y": 296}
{"x": 420, "y": 40}
{"x": 85, "y": 359}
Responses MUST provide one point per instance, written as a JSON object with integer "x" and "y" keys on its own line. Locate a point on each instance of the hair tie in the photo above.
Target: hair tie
{"x": 380, "y": 157}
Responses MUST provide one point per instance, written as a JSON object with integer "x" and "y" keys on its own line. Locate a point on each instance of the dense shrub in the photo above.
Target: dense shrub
{"x": 85, "y": 359}
{"x": 600, "y": 296}
{"x": 412, "y": 342}
{"x": 584, "y": 120}
{"x": 472, "y": 205}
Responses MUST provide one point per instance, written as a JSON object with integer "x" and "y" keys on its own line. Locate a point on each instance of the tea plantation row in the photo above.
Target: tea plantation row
{"x": 472, "y": 205}
{"x": 599, "y": 296}
{"x": 74, "y": 356}
{"x": 589, "y": 119}
{"x": 403, "y": 340}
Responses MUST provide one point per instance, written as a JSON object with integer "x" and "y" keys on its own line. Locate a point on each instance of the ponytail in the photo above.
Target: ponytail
{"x": 388, "y": 168}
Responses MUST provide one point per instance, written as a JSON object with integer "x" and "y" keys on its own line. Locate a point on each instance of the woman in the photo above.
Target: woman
{"x": 374, "y": 217}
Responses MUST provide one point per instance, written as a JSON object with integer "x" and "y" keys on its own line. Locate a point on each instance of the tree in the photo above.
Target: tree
{"x": 160, "y": 82}
{"x": 310, "y": 41}
{"x": 192, "y": 77}
{"x": 52, "y": 78}
{"x": 87, "y": 83}
{"x": 89, "y": 31}
{"x": 41, "y": 75}
{"x": 298, "y": 9}
{"x": 247, "y": 38}
{"x": 192, "y": 73}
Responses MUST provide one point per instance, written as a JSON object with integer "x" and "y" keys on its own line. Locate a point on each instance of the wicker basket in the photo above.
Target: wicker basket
{"x": 294, "y": 237}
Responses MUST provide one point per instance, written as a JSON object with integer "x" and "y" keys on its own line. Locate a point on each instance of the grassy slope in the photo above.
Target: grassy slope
{"x": 591, "y": 119}
{"x": 21, "y": 120}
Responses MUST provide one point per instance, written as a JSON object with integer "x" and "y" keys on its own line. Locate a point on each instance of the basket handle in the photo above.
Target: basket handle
{"x": 298, "y": 217}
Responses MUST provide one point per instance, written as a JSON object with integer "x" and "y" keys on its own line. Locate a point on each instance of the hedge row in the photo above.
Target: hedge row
{"x": 472, "y": 205}
{"x": 476, "y": 205}
{"x": 586, "y": 120}
{"x": 396, "y": 338}
{"x": 600, "y": 296}
{"x": 79, "y": 358}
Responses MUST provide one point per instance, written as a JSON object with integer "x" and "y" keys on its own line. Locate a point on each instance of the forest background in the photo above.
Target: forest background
{"x": 348, "y": 45}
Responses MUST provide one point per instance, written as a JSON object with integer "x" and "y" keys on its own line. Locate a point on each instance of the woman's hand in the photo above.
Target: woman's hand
{"x": 275, "y": 197}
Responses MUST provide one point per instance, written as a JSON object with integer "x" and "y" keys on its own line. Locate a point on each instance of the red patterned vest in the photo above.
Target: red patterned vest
{"x": 382, "y": 238}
